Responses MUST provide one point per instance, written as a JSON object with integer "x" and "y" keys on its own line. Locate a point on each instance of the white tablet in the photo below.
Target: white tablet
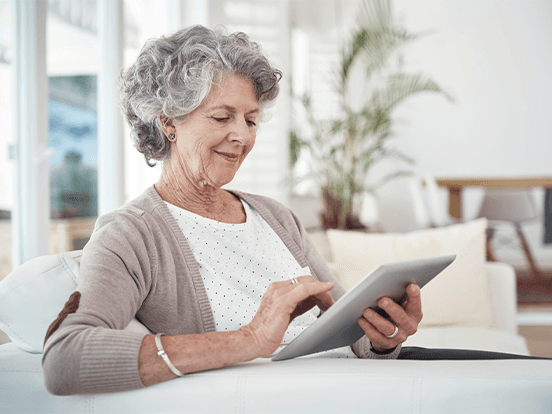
{"x": 338, "y": 326}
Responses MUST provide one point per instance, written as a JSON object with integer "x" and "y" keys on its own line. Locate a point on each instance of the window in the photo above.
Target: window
{"x": 73, "y": 135}
{"x": 6, "y": 116}
{"x": 73, "y": 56}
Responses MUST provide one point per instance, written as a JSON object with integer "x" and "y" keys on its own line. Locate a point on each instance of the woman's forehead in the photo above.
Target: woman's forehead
{"x": 232, "y": 91}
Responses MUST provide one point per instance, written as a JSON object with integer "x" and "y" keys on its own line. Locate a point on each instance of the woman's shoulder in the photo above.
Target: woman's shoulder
{"x": 138, "y": 214}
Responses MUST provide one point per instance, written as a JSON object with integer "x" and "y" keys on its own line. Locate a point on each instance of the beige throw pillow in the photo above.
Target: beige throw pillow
{"x": 458, "y": 296}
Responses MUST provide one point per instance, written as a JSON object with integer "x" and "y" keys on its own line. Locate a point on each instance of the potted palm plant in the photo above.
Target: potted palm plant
{"x": 342, "y": 150}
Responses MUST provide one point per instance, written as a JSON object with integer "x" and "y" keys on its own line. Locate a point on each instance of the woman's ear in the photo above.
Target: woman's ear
{"x": 167, "y": 125}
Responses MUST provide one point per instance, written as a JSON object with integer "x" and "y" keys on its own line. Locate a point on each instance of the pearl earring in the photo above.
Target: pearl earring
{"x": 172, "y": 137}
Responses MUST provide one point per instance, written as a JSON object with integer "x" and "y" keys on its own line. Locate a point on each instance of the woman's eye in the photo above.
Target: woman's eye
{"x": 251, "y": 123}
{"x": 221, "y": 120}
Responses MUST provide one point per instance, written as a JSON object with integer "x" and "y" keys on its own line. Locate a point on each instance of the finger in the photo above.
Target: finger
{"x": 399, "y": 316}
{"x": 306, "y": 286}
{"x": 380, "y": 323}
{"x": 294, "y": 299}
{"x": 295, "y": 292}
{"x": 299, "y": 279}
{"x": 307, "y": 278}
{"x": 378, "y": 339}
{"x": 320, "y": 291}
{"x": 323, "y": 299}
{"x": 413, "y": 304}
{"x": 303, "y": 307}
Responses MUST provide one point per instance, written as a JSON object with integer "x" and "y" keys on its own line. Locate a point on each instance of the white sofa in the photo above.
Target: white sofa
{"x": 34, "y": 293}
{"x": 480, "y": 314}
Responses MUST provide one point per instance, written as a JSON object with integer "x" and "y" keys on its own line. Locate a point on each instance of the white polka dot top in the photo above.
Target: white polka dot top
{"x": 237, "y": 263}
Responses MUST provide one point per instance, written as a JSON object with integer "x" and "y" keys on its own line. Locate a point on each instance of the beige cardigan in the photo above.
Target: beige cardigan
{"x": 138, "y": 264}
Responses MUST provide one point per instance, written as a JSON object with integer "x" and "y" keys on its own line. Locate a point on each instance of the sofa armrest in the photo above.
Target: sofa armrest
{"x": 503, "y": 295}
{"x": 303, "y": 385}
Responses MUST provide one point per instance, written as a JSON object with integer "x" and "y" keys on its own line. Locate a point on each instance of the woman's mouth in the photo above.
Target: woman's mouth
{"x": 228, "y": 156}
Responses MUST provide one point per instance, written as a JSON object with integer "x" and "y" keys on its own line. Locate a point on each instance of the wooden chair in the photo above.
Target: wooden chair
{"x": 510, "y": 205}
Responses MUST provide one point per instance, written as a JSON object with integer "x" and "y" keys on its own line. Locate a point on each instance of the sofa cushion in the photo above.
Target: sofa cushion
{"x": 458, "y": 296}
{"x": 32, "y": 296}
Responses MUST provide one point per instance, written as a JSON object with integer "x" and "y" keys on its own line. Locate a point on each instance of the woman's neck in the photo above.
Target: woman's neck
{"x": 200, "y": 198}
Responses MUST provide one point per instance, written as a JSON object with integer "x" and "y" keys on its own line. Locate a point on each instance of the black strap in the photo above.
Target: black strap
{"x": 437, "y": 354}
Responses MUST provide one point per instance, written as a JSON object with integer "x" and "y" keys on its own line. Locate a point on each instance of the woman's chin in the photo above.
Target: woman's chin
{"x": 217, "y": 182}
{"x": 223, "y": 175}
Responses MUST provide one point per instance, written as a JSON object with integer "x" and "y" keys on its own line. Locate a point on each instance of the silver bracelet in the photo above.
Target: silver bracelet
{"x": 165, "y": 357}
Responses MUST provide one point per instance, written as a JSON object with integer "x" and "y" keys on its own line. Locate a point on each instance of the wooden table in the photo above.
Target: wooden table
{"x": 455, "y": 186}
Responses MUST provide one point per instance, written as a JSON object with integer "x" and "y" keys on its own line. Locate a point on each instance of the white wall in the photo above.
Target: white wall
{"x": 495, "y": 59}
{"x": 265, "y": 169}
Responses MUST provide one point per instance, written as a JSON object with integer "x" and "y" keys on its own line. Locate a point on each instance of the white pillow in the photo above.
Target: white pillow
{"x": 458, "y": 296}
{"x": 32, "y": 296}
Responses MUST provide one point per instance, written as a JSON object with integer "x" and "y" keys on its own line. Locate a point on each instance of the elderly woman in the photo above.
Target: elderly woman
{"x": 217, "y": 276}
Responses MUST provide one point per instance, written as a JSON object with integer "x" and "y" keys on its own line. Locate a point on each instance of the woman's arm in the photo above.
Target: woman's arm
{"x": 84, "y": 354}
{"x": 282, "y": 302}
{"x": 87, "y": 347}
{"x": 193, "y": 353}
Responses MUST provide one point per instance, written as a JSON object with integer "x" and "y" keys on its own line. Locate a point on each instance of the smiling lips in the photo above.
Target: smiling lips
{"x": 228, "y": 156}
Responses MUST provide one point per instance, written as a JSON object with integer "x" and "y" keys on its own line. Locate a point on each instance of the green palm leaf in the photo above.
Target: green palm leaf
{"x": 345, "y": 148}
{"x": 400, "y": 86}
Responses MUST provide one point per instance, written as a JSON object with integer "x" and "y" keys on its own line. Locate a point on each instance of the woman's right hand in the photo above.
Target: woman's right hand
{"x": 282, "y": 302}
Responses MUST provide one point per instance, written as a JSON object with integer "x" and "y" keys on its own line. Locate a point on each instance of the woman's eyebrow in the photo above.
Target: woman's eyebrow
{"x": 233, "y": 109}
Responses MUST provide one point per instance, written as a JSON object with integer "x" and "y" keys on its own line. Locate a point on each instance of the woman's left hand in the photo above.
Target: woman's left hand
{"x": 404, "y": 317}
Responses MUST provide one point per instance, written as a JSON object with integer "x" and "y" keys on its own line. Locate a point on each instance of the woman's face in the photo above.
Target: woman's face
{"x": 213, "y": 141}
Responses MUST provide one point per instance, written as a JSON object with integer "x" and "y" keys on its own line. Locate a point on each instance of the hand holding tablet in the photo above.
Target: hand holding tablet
{"x": 390, "y": 323}
{"x": 339, "y": 326}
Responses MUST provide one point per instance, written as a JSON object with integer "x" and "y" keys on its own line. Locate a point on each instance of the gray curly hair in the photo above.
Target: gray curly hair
{"x": 174, "y": 74}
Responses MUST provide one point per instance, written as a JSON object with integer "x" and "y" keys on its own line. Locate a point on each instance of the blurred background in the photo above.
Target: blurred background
{"x": 66, "y": 157}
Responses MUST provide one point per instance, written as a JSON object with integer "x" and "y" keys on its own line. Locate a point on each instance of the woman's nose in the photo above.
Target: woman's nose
{"x": 243, "y": 132}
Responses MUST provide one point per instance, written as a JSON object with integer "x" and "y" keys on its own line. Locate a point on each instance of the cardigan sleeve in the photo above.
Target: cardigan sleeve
{"x": 87, "y": 349}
